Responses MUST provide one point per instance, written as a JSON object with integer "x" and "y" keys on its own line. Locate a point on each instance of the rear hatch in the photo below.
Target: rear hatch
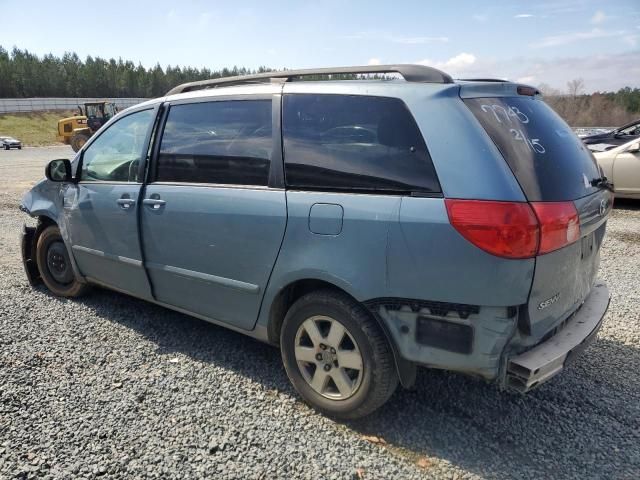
{"x": 560, "y": 178}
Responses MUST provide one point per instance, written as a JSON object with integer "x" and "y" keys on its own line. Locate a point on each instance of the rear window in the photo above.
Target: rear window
{"x": 547, "y": 158}
{"x": 356, "y": 144}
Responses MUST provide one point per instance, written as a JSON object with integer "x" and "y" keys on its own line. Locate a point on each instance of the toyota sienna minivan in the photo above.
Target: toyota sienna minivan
{"x": 366, "y": 226}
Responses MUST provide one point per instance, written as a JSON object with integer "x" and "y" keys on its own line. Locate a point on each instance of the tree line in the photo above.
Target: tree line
{"x": 24, "y": 74}
{"x": 599, "y": 109}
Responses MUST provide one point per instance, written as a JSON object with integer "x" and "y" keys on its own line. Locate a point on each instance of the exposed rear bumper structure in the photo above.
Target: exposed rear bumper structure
{"x": 533, "y": 367}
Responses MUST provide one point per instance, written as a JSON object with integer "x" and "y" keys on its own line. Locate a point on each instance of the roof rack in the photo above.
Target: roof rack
{"x": 411, "y": 73}
{"x": 500, "y": 80}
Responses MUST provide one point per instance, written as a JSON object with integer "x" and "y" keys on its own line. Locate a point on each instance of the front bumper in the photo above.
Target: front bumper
{"x": 28, "y": 257}
{"x": 533, "y": 367}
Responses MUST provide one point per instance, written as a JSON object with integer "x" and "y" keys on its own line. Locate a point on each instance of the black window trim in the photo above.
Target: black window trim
{"x": 276, "y": 167}
{"x": 361, "y": 191}
{"x": 107, "y": 126}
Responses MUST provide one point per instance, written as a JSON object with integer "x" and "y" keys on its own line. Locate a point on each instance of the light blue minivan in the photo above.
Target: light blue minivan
{"x": 366, "y": 225}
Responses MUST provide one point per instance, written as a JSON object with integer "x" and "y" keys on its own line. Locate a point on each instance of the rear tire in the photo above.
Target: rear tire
{"x": 78, "y": 141}
{"x": 345, "y": 373}
{"x": 54, "y": 265}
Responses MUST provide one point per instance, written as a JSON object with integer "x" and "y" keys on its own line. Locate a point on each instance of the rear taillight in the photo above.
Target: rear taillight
{"x": 515, "y": 229}
{"x": 559, "y": 224}
{"x": 505, "y": 229}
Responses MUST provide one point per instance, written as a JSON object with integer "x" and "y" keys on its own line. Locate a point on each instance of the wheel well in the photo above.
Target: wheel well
{"x": 287, "y": 297}
{"x": 43, "y": 222}
{"x": 292, "y": 292}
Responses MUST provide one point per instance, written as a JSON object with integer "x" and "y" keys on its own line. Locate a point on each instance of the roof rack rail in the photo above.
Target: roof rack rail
{"x": 411, "y": 73}
{"x": 502, "y": 80}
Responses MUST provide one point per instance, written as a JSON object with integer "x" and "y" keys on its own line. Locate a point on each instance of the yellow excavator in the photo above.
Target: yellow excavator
{"x": 76, "y": 130}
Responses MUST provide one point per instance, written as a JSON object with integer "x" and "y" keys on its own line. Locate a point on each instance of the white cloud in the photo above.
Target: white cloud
{"x": 598, "y": 17}
{"x": 460, "y": 61}
{"x": 373, "y": 61}
{"x": 458, "y": 64}
{"x": 565, "y": 38}
{"x": 631, "y": 40}
{"x": 608, "y": 72}
{"x": 524, "y": 15}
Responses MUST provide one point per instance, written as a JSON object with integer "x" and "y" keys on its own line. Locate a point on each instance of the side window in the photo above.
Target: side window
{"x": 226, "y": 142}
{"x": 115, "y": 155}
{"x": 354, "y": 143}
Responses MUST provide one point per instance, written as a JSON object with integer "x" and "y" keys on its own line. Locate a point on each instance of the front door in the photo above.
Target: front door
{"x": 211, "y": 223}
{"x": 100, "y": 210}
{"x": 626, "y": 173}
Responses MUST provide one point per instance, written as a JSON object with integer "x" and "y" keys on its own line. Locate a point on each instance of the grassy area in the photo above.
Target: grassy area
{"x": 32, "y": 129}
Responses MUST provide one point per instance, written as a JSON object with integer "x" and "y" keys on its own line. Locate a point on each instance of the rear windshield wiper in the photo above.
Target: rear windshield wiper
{"x": 602, "y": 182}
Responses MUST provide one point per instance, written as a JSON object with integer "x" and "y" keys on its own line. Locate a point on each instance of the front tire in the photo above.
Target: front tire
{"x": 54, "y": 265}
{"x": 336, "y": 356}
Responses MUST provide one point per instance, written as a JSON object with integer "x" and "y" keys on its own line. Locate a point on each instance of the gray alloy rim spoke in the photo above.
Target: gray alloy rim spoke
{"x": 320, "y": 380}
{"x": 305, "y": 354}
{"x": 336, "y": 334}
{"x": 328, "y": 357}
{"x": 342, "y": 381}
{"x": 350, "y": 359}
{"x": 312, "y": 330}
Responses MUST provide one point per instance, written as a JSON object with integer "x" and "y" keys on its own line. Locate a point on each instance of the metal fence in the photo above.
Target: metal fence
{"x": 12, "y": 105}
{"x": 586, "y": 131}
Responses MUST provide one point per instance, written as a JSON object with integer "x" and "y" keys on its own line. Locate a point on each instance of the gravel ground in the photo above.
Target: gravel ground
{"x": 112, "y": 386}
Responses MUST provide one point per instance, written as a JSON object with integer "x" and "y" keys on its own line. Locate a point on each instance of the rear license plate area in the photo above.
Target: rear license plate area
{"x": 588, "y": 247}
{"x": 438, "y": 333}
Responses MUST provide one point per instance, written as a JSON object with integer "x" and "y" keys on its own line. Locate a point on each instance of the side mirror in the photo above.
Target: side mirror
{"x": 634, "y": 147}
{"x": 58, "y": 170}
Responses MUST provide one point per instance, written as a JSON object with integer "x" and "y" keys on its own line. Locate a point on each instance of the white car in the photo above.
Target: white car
{"x": 621, "y": 166}
{"x": 9, "y": 142}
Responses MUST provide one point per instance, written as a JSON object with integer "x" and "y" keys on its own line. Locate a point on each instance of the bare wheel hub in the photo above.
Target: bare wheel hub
{"x": 328, "y": 357}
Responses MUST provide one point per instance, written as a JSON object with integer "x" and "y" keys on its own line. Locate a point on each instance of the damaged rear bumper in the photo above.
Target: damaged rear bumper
{"x": 533, "y": 367}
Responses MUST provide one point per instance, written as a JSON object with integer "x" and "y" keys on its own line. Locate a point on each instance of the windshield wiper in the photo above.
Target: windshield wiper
{"x": 602, "y": 182}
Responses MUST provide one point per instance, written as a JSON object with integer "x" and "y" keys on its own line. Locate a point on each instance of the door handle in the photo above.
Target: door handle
{"x": 154, "y": 203}
{"x": 125, "y": 203}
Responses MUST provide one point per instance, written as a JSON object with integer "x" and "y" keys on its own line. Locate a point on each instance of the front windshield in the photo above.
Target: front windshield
{"x": 631, "y": 130}
{"x": 93, "y": 111}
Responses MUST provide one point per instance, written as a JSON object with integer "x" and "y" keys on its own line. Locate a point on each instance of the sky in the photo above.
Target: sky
{"x": 536, "y": 41}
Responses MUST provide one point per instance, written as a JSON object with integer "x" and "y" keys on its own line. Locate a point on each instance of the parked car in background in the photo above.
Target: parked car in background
{"x": 366, "y": 227}
{"x": 9, "y": 142}
{"x": 614, "y": 138}
{"x": 621, "y": 166}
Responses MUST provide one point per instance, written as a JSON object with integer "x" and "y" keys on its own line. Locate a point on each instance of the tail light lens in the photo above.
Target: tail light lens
{"x": 514, "y": 229}
{"x": 559, "y": 224}
{"x": 505, "y": 229}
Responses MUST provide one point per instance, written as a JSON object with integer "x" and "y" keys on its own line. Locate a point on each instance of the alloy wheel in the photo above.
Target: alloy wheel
{"x": 328, "y": 357}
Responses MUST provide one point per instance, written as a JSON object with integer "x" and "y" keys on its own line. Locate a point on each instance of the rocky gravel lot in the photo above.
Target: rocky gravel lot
{"x": 114, "y": 387}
